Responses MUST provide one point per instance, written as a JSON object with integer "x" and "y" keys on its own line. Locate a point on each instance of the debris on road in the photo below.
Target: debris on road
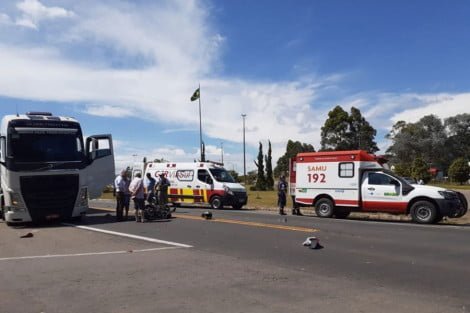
{"x": 313, "y": 243}
{"x": 28, "y": 235}
{"x": 207, "y": 215}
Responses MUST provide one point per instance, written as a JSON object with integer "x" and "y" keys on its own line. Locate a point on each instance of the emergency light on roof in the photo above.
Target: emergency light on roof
{"x": 39, "y": 113}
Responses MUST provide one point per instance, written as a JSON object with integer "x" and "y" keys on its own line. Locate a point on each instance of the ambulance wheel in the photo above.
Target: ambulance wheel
{"x": 216, "y": 203}
{"x": 324, "y": 207}
{"x": 424, "y": 212}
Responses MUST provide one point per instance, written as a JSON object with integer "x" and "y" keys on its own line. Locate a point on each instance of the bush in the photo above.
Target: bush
{"x": 459, "y": 171}
{"x": 420, "y": 170}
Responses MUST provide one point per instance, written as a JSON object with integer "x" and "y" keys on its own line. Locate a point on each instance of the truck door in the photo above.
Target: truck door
{"x": 381, "y": 193}
{"x": 100, "y": 171}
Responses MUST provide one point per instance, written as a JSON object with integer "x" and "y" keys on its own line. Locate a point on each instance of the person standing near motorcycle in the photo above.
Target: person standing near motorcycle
{"x": 162, "y": 189}
{"x": 149, "y": 183}
{"x": 137, "y": 194}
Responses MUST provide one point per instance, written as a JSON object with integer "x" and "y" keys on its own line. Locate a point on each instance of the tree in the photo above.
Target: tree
{"x": 343, "y": 131}
{"x": 420, "y": 170}
{"x": 459, "y": 170}
{"x": 269, "y": 169}
{"x": 458, "y": 129}
{"x": 292, "y": 149}
{"x": 334, "y": 133}
{"x": 403, "y": 169}
{"x": 261, "y": 180}
{"x": 426, "y": 139}
{"x": 235, "y": 176}
{"x": 361, "y": 133}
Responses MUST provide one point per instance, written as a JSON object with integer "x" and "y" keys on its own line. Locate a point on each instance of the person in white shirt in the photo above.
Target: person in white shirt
{"x": 136, "y": 189}
{"x": 120, "y": 187}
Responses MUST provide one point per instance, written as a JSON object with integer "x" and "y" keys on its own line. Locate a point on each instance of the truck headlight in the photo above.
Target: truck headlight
{"x": 16, "y": 202}
{"x": 448, "y": 195}
{"x": 83, "y": 197}
{"x": 228, "y": 190}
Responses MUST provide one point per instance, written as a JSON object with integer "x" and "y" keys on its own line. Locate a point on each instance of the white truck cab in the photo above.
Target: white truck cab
{"x": 339, "y": 182}
{"x": 47, "y": 171}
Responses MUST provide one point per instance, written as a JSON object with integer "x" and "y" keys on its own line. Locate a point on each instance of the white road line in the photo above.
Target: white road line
{"x": 115, "y": 233}
{"x": 48, "y": 256}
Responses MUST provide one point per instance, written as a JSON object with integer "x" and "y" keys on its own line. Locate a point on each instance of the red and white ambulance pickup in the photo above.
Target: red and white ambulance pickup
{"x": 339, "y": 182}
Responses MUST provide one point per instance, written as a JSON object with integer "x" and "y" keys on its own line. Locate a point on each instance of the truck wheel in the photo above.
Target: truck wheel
{"x": 216, "y": 203}
{"x": 324, "y": 208}
{"x": 342, "y": 213}
{"x": 424, "y": 212}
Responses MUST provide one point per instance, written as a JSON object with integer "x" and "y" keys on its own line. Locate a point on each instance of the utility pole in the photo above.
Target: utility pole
{"x": 244, "y": 154}
{"x": 222, "y": 151}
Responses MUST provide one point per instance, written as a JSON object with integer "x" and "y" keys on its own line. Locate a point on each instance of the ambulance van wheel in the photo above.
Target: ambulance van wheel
{"x": 424, "y": 212}
{"x": 216, "y": 203}
{"x": 324, "y": 207}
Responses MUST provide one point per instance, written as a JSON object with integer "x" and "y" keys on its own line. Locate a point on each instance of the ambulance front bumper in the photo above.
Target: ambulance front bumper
{"x": 238, "y": 198}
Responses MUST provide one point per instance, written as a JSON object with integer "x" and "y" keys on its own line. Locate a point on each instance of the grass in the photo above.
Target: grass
{"x": 451, "y": 186}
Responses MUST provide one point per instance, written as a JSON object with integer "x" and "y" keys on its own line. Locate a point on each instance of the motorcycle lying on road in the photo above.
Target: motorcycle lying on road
{"x": 155, "y": 211}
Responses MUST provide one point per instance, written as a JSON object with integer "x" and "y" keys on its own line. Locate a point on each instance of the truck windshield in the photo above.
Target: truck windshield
{"x": 221, "y": 175}
{"x": 46, "y": 147}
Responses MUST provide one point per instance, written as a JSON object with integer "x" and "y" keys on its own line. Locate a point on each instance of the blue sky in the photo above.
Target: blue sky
{"x": 129, "y": 68}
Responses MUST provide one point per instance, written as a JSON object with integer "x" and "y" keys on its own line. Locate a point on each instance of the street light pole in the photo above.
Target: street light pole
{"x": 222, "y": 152}
{"x": 244, "y": 155}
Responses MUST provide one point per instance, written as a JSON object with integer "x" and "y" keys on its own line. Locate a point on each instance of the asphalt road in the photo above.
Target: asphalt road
{"x": 241, "y": 261}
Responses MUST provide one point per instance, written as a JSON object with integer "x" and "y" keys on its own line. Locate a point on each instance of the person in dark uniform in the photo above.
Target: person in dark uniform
{"x": 281, "y": 194}
{"x": 162, "y": 189}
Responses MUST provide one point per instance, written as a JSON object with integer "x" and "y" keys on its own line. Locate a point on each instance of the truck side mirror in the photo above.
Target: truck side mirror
{"x": 91, "y": 147}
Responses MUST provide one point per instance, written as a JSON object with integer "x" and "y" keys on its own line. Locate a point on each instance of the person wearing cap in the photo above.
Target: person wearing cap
{"x": 120, "y": 189}
{"x": 162, "y": 189}
{"x": 281, "y": 194}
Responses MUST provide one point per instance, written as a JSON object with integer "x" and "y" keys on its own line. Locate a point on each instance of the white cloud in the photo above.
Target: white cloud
{"x": 109, "y": 111}
{"x": 33, "y": 12}
{"x": 179, "y": 49}
{"x": 442, "y": 105}
{"x": 168, "y": 48}
{"x": 5, "y": 19}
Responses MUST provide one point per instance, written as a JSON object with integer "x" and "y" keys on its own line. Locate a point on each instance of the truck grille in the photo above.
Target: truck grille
{"x": 52, "y": 195}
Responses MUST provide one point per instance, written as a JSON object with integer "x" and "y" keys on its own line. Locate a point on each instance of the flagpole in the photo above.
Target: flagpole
{"x": 200, "y": 128}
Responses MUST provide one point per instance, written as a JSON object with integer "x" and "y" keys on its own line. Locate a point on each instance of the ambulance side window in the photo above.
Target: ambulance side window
{"x": 204, "y": 176}
{"x": 346, "y": 169}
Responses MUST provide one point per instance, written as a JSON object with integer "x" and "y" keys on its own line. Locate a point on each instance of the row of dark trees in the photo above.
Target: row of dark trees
{"x": 264, "y": 179}
{"x": 443, "y": 144}
{"x": 438, "y": 142}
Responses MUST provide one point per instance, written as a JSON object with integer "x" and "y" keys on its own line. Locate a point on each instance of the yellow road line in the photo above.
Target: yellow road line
{"x": 246, "y": 223}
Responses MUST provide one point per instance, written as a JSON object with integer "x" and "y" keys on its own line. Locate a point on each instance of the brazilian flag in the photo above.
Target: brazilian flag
{"x": 195, "y": 95}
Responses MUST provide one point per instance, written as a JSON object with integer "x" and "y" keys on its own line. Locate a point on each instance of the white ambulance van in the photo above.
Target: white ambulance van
{"x": 200, "y": 182}
{"x": 339, "y": 182}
